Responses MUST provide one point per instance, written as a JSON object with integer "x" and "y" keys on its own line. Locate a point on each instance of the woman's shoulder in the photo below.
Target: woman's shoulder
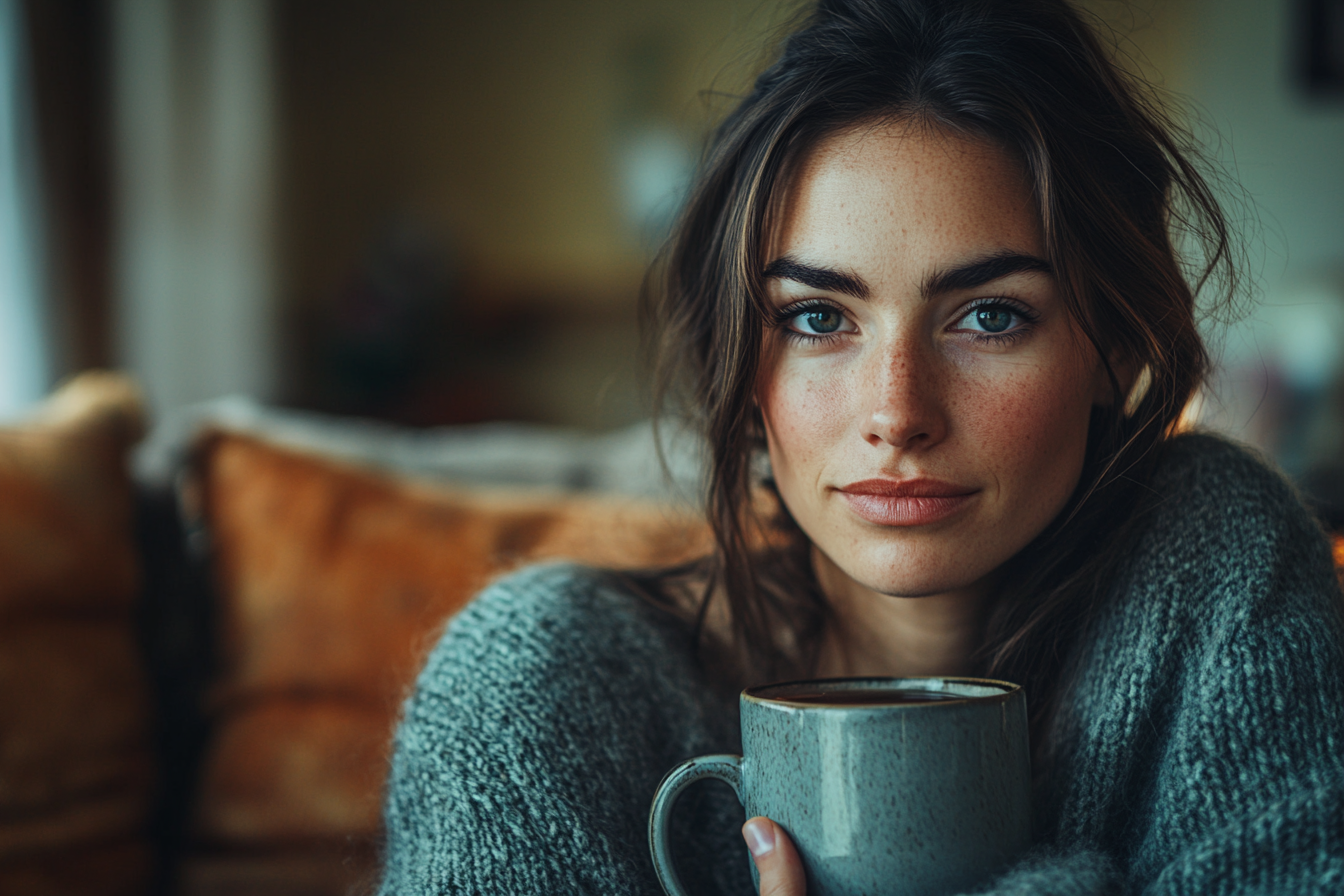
{"x": 552, "y": 600}
{"x": 1208, "y": 493}
{"x": 554, "y": 624}
{"x": 1214, "y": 474}
{"x": 1222, "y": 526}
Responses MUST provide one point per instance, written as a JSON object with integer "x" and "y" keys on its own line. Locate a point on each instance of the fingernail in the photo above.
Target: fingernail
{"x": 760, "y": 837}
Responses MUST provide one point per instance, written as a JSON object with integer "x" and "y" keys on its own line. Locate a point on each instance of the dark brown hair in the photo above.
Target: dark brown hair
{"x": 1116, "y": 189}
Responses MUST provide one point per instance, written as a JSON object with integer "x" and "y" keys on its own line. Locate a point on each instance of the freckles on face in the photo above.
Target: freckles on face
{"x": 1034, "y": 421}
{"x": 925, "y": 393}
{"x": 800, "y": 408}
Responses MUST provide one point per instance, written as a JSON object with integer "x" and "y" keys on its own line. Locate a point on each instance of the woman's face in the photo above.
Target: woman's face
{"x": 924, "y": 391}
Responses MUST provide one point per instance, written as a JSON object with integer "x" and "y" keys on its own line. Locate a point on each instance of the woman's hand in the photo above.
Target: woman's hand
{"x": 776, "y": 860}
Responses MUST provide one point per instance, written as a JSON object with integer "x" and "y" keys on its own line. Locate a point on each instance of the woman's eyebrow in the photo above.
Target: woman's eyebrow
{"x": 788, "y": 268}
{"x": 982, "y": 271}
{"x": 965, "y": 276}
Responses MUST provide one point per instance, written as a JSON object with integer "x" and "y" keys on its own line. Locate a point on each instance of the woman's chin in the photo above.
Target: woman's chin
{"x": 907, "y": 582}
{"x": 905, "y": 588}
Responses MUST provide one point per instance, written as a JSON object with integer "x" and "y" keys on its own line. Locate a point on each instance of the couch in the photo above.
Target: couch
{"x": 204, "y": 641}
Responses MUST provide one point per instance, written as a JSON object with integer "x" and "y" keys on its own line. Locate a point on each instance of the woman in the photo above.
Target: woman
{"x": 930, "y": 272}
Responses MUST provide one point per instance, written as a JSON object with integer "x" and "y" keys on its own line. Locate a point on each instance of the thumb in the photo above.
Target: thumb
{"x": 776, "y": 859}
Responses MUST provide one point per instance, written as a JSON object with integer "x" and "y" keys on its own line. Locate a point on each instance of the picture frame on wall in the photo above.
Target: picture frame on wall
{"x": 1320, "y": 52}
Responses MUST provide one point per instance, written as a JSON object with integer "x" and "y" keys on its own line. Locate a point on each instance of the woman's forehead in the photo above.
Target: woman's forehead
{"x": 863, "y": 195}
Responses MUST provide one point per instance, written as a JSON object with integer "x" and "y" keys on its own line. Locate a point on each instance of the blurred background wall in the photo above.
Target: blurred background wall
{"x": 433, "y": 211}
{"x": 472, "y": 192}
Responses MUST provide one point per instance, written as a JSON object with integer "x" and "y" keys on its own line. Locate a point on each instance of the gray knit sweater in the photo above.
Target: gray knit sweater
{"x": 1201, "y": 752}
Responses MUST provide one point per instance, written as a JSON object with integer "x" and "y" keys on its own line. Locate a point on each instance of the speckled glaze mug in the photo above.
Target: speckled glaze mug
{"x": 881, "y": 795}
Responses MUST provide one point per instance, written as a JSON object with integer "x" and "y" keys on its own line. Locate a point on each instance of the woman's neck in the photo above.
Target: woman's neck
{"x": 871, "y": 633}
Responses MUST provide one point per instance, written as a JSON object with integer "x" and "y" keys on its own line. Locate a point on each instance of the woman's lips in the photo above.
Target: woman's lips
{"x": 910, "y": 502}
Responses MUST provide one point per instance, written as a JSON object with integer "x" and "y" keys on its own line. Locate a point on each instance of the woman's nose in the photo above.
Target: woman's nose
{"x": 905, "y": 406}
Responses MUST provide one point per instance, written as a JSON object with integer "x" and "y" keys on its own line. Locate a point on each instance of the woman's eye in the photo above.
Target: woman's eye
{"x": 991, "y": 318}
{"x": 994, "y": 320}
{"x": 818, "y": 321}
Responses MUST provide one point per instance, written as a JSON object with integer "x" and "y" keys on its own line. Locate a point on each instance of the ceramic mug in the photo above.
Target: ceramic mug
{"x": 918, "y": 786}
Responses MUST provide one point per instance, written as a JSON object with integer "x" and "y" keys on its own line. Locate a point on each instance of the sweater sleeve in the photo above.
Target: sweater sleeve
{"x": 1249, "y": 795}
{"x": 1207, "y": 725}
{"x": 528, "y": 755}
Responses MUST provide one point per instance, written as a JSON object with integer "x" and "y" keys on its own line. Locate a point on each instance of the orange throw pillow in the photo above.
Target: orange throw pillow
{"x": 76, "y": 765}
{"x": 333, "y": 584}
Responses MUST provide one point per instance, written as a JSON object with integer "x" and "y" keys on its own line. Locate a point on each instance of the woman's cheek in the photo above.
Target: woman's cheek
{"x": 1032, "y": 429}
{"x": 806, "y": 417}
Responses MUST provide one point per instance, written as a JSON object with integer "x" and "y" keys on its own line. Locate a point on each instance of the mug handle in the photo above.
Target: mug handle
{"x": 726, "y": 767}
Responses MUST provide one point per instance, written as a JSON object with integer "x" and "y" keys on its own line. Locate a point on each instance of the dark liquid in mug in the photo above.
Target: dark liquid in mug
{"x": 867, "y": 697}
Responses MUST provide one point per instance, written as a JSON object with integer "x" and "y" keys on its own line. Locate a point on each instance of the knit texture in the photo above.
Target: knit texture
{"x": 1201, "y": 750}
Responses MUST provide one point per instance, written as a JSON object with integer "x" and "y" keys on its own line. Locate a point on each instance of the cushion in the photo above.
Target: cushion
{"x": 333, "y": 584}
{"x": 76, "y": 779}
